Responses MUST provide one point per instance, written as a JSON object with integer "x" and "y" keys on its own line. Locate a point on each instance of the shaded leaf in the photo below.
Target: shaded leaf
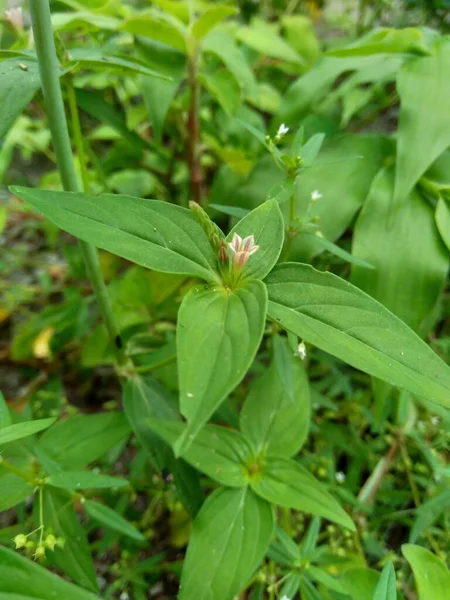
{"x": 105, "y": 515}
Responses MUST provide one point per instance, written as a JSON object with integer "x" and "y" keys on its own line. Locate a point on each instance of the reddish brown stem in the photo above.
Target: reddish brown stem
{"x": 193, "y": 130}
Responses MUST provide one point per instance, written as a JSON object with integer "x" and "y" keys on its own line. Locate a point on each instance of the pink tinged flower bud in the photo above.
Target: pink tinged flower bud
{"x": 241, "y": 250}
{"x": 15, "y": 17}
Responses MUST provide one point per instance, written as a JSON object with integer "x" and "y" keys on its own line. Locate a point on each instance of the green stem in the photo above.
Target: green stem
{"x": 49, "y": 73}
{"x": 77, "y": 135}
{"x": 13, "y": 469}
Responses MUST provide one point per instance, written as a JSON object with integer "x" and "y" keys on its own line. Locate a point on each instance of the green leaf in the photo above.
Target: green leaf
{"x": 81, "y": 480}
{"x": 290, "y": 586}
{"x": 262, "y": 37}
{"x": 85, "y": 20}
{"x": 151, "y": 233}
{"x": 220, "y": 453}
{"x": 386, "y": 589}
{"x": 18, "y": 86}
{"x": 22, "y": 430}
{"x": 429, "y": 512}
{"x": 145, "y": 400}
{"x": 229, "y": 538}
{"x": 225, "y": 88}
{"x": 430, "y": 573}
{"x": 232, "y": 211}
{"x": 266, "y": 224}
{"x": 94, "y": 58}
{"x": 13, "y": 489}
{"x": 25, "y": 578}
{"x": 360, "y": 583}
{"x": 284, "y": 482}
{"x": 105, "y": 515}
{"x": 75, "y": 558}
{"x": 423, "y": 134}
{"x": 223, "y": 46}
{"x": 210, "y": 18}
{"x": 218, "y": 334}
{"x": 82, "y": 439}
{"x": 326, "y": 579}
{"x": 386, "y": 40}
{"x": 442, "y": 217}
{"x": 159, "y": 27}
{"x": 5, "y": 417}
{"x": 409, "y": 258}
{"x": 341, "y": 319}
{"x": 272, "y": 418}
{"x": 320, "y": 241}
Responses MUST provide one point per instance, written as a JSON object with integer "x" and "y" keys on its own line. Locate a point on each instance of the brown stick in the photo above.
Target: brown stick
{"x": 193, "y": 130}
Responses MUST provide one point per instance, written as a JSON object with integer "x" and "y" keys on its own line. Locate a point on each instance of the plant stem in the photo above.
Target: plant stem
{"x": 49, "y": 73}
{"x": 13, "y": 469}
{"x": 193, "y": 129}
{"x": 77, "y": 135}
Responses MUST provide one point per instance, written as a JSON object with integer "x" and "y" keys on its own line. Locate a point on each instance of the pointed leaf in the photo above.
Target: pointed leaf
{"x": 386, "y": 589}
{"x": 266, "y": 224}
{"x": 423, "y": 134}
{"x": 218, "y": 334}
{"x": 5, "y": 417}
{"x": 230, "y": 535}
{"x": 270, "y": 418}
{"x": 13, "y": 490}
{"x": 22, "y": 430}
{"x": 157, "y": 26}
{"x": 109, "y": 517}
{"x": 284, "y": 482}
{"x": 342, "y": 320}
{"x": 151, "y": 233}
{"x": 210, "y": 18}
{"x": 81, "y": 480}
{"x": 430, "y": 573}
{"x": 386, "y": 40}
{"x": 219, "y": 452}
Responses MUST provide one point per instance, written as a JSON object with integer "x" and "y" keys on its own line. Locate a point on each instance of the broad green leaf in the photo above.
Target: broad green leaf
{"x": 386, "y": 589}
{"x": 229, "y": 538}
{"x": 145, "y": 400}
{"x": 94, "y": 58}
{"x": 5, "y": 417}
{"x": 386, "y": 40}
{"x": 81, "y": 480}
{"x": 82, "y": 439}
{"x": 18, "y": 85}
{"x": 430, "y": 573}
{"x": 22, "y": 430}
{"x": 265, "y": 223}
{"x": 429, "y": 512}
{"x": 218, "y": 334}
{"x": 273, "y": 419}
{"x": 26, "y": 578}
{"x": 151, "y": 233}
{"x": 262, "y": 37}
{"x": 13, "y": 489}
{"x": 219, "y": 452}
{"x": 75, "y": 558}
{"x": 285, "y": 482}
{"x": 210, "y": 18}
{"x": 341, "y": 319}
{"x": 159, "y": 27}
{"x": 224, "y": 47}
{"x": 109, "y": 517}
{"x": 409, "y": 258}
{"x": 344, "y": 188}
{"x": 224, "y": 87}
{"x": 360, "y": 583}
{"x": 423, "y": 134}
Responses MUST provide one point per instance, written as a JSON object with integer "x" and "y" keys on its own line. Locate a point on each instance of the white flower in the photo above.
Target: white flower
{"x": 435, "y": 421}
{"x": 316, "y": 195}
{"x": 15, "y": 17}
{"x": 340, "y": 477}
{"x": 285, "y": 597}
{"x": 282, "y": 130}
{"x": 124, "y": 596}
{"x": 242, "y": 249}
{"x": 301, "y": 350}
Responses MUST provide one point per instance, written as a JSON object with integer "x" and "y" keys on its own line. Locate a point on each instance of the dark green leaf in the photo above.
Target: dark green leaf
{"x": 105, "y": 515}
{"x": 154, "y": 234}
{"x": 229, "y": 538}
{"x": 284, "y": 482}
{"x": 5, "y": 417}
{"x": 342, "y": 320}
{"x": 429, "y": 512}
{"x": 29, "y": 580}
{"x": 13, "y": 490}
{"x": 218, "y": 334}
{"x": 320, "y": 241}
{"x": 81, "y": 480}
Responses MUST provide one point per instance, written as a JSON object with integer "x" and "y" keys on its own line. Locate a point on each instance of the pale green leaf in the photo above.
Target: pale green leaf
{"x": 386, "y": 40}
{"x": 442, "y": 216}
{"x": 218, "y": 334}
{"x": 109, "y": 517}
{"x": 430, "y": 573}
{"x": 210, "y": 18}
{"x": 229, "y": 537}
{"x": 158, "y": 26}
{"x": 386, "y": 589}
{"x": 151, "y": 233}
{"x": 271, "y": 417}
{"x": 266, "y": 224}
{"x": 262, "y": 37}
{"x": 30, "y": 580}
{"x": 360, "y": 582}
{"x": 423, "y": 134}
{"x": 81, "y": 480}
{"x": 341, "y": 319}
{"x": 285, "y": 482}
{"x": 18, "y": 431}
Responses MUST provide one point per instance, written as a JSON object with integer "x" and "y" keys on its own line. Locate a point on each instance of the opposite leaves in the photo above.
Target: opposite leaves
{"x": 342, "y": 320}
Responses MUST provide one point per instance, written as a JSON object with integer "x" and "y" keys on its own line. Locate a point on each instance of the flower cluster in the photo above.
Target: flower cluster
{"x": 242, "y": 249}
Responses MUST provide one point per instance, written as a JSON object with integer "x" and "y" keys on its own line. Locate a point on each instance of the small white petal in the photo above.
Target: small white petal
{"x": 316, "y": 195}
{"x": 301, "y": 350}
{"x": 282, "y": 130}
{"x": 340, "y": 477}
{"x": 435, "y": 421}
